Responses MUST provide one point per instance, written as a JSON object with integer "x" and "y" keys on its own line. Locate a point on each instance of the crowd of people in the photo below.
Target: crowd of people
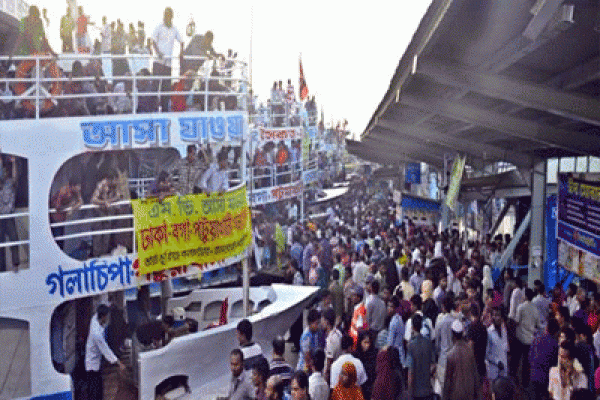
{"x": 405, "y": 310}
{"x": 201, "y": 86}
{"x": 282, "y": 108}
{"x": 102, "y": 180}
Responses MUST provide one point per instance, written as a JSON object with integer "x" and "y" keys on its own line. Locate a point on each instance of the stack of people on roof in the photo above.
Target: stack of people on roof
{"x": 405, "y": 310}
{"x": 283, "y": 109}
{"x": 104, "y": 84}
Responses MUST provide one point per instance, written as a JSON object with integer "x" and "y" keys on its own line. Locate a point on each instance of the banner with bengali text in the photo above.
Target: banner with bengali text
{"x": 191, "y": 230}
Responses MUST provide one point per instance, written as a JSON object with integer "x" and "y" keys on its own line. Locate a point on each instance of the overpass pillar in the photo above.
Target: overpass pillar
{"x": 537, "y": 232}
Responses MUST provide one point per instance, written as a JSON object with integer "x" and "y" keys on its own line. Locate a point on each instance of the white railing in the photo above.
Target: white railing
{"x": 141, "y": 186}
{"x": 14, "y": 215}
{"x": 90, "y": 227}
{"x": 275, "y": 175}
{"x": 271, "y": 117}
{"x": 92, "y": 220}
{"x": 206, "y": 92}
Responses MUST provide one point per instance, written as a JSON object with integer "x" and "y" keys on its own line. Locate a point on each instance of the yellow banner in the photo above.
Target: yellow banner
{"x": 193, "y": 229}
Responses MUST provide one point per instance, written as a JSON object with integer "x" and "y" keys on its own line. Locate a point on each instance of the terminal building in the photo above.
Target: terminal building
{"x": 509, "y": 88}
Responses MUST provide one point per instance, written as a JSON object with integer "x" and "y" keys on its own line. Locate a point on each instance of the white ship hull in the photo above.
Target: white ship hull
{"x": 204, "y": 356}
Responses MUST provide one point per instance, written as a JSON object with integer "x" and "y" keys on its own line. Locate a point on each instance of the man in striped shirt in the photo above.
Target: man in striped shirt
{"x": 252, "y": 351}
{"x": 280, "y": 367}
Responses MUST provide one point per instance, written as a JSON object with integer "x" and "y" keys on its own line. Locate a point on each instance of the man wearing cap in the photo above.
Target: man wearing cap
{"x": 462, "y": 379}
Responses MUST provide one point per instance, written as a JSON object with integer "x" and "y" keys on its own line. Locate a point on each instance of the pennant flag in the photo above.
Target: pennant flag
{"x": 279, "y": 238}
{"x": 458, "y": 168}
{"x": 302, "y": 87}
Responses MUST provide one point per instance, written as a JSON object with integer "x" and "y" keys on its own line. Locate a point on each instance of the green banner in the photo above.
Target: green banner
{"x": 458, "y": 168}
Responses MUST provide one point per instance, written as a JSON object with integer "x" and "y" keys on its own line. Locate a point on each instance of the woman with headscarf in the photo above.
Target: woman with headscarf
{"x": 347, "y": 389}
{"x": 430, "y": 309}
{"x": 366, "y": 352}
{"x": 426, "y": 289}
{"x": 388, "y": 383}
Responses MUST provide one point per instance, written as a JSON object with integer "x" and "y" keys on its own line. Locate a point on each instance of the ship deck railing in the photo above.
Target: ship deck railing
{"x": 268, "y": 117}
{"x": 233, "y": 83}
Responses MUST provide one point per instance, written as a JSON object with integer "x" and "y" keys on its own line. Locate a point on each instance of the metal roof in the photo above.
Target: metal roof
{"x": 511, "y": 80}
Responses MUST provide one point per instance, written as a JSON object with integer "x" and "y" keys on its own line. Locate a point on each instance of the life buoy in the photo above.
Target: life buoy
{"x": 24, "y": 70}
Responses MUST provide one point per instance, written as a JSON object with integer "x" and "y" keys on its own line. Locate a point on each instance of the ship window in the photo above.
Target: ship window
{"x": 195, "y": 306}
{"x": 89, "y": 202}
{"x": 15, "y": 368}
{"x": 237, "y": 310}
{"x": 14, "y": 213}
{"x": 212, "y": 311}
{"x": 263, "y": 304}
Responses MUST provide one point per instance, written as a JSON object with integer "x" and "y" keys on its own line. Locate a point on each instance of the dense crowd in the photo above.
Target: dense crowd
{"x": 104, "y": 84}
{"x": 405, "y": 310}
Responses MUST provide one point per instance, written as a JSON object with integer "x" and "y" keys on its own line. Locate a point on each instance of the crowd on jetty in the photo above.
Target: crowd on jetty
{"x": 405, "y": 310}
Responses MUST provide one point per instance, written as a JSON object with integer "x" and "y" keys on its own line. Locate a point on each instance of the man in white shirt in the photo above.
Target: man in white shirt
{"x": 163, "y": 38}
{"x": 336, "y": 368}
{"x": 517, "y": 297}
{"x": 360, "y": 271}
{"x": 252, "y": 351}
{"x": 528, "y": 323}
{"x": 96, "y": 348}
{"x": 318, "y": 389}
{"x": 416, "y": 254}
{"x": 215, "y": 179}
{"x": 333, "y": 340}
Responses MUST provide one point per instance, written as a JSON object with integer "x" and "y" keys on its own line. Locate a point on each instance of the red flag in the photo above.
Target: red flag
{"x": 302, "y": 87}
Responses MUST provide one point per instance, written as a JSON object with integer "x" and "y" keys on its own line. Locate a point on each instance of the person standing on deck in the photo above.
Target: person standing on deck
{"x": 189, "y": 170}
{"x": 8, "y": 228}
{"x": 96, "y": 348}
{"x": 67, "y": 26}
{"x": 106, "y": 34}
{"x": 32, "y": 37}
{"x": 215, "y": 179}
{"x": 83, "y": 41}
{"x": 163, "y": 38}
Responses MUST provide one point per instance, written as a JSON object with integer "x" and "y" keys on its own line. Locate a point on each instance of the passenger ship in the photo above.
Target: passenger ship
{"x": 70, "y": 260}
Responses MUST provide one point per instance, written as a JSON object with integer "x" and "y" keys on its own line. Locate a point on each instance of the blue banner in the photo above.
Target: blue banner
{"x": 550, "y": 266}
{"x": 415, "y": 203}
{"x": 579, "y": 213}
{"x": 412, "y": 173}
{"x": 551, "y": 242}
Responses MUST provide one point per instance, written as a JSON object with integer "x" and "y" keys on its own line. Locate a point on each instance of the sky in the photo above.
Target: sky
{"x": 350, "y": 50}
